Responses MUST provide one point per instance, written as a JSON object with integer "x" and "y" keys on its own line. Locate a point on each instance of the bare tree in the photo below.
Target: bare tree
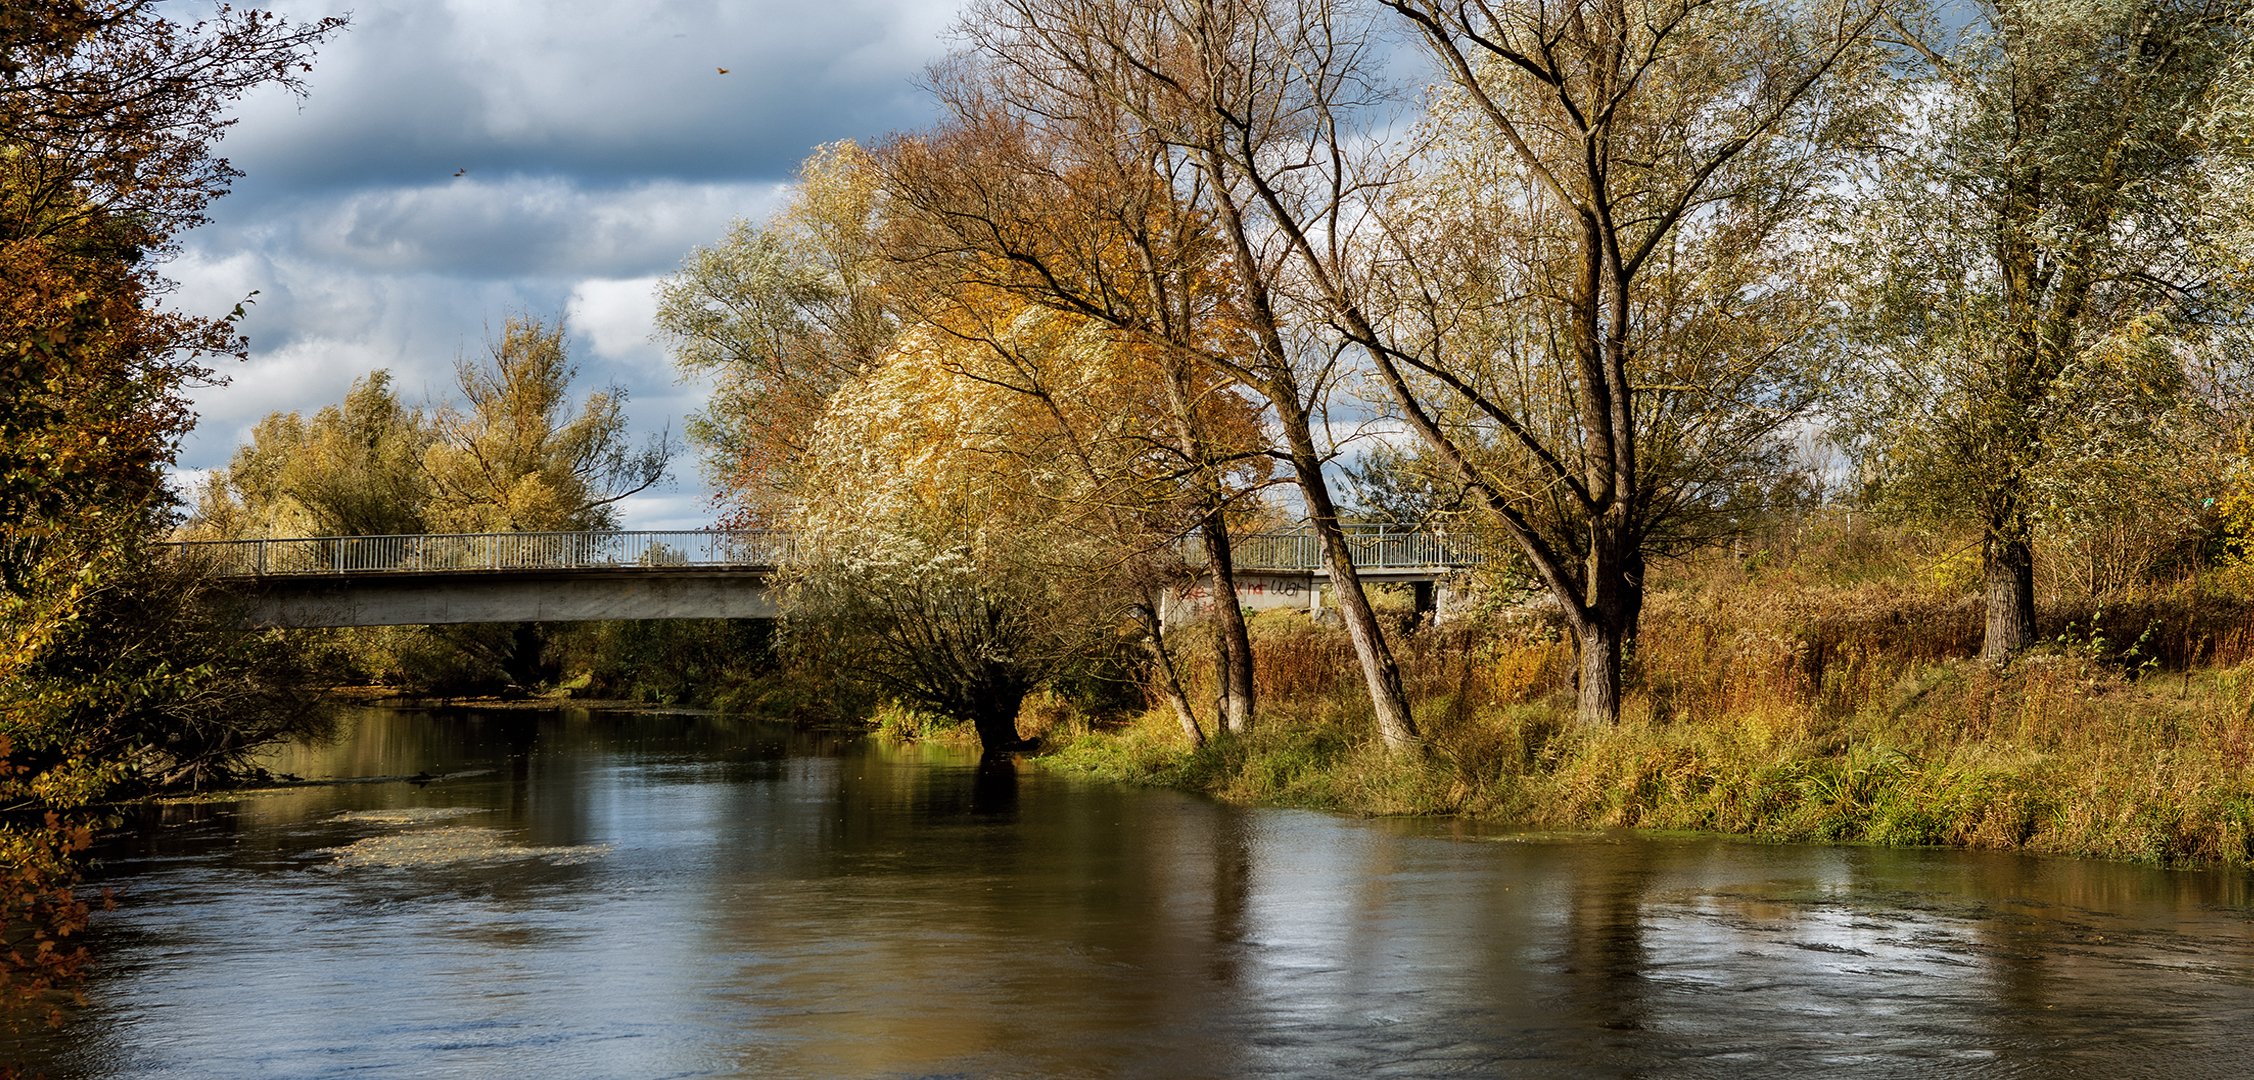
{"x": 1587, "y": 298}
{"x": 1246, "y": 93}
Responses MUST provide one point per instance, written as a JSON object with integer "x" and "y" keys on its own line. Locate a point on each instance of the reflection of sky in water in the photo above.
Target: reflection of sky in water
{"x": 664, "y": 896}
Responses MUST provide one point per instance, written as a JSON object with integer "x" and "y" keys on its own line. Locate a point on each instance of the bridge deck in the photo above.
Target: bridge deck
{"x": 569, "y": 577}
{"x": 1376, "y": 548}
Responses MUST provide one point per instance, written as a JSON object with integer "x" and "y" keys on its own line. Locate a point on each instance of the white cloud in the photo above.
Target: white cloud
{"x": 615, "y": 317}
{"x": 514, "y": 226}
{"x": 302, "y": 377}
{"x": 592, "y": 88}
{"x": 689, "y": 509}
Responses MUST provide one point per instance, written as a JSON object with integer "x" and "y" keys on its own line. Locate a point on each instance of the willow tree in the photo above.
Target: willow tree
{"x": 1586, "y": 294}
{"x": 952, "y": 580}
{"x": 2229, "y": 126}
{"x": 351, "y": 469}
{"x": 1246, "y": 94}
{"x": 517, "y": 455}
{"x": 1026, "y": 218}
{"x": 2035, "y": 247}
{"x": 779, "y": 316}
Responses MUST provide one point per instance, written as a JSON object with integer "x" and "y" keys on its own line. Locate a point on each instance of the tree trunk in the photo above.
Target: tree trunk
{"x": 1232, "y": 656}
{"x": 1233, "y": 643}
{"x": 2007, "y": 572}
{"x": 1280, "y": 385}
{"x": 1380, "y": 673}
{"x": 1606, "y": 623}
{"x": 521, "y": 660}
{"x": 1169, "y": 679}
{"x": 995, "y": 719}
{"x": 1599, "y": 692}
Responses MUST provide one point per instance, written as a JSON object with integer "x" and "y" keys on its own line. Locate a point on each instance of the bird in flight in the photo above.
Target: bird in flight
{"x": 461, "y": 172}
{"x": 722, "y": 71}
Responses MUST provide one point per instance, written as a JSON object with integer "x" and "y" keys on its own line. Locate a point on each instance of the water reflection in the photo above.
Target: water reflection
{"x": 993, "y": 791}
{"x": 679, "y": 895}
{"x": 1604, "y": 958}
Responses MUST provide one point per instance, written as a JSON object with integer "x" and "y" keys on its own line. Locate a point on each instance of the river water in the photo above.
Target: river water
{"x": 635, "y": 895}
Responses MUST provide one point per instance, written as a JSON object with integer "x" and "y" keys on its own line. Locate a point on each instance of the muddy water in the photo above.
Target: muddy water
{"x": 611, "y": 895}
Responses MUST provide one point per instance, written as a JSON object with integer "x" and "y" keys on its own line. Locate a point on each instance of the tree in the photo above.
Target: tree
{"x": 1389, "y": 484}
{"x": 515, "y": 457}
{"x": 354, "y": 469}
{"x": 1244, "y": 91}
{"x": 1027, "y": 212}
{"x": 108, "y": 111}
{"x": 948, "y": 581}
{"x": 2228, "y": 382}
{"x": 779, "y": 317}
{"x": 1587, "y": 297}
{"x": 2037, "y": 280}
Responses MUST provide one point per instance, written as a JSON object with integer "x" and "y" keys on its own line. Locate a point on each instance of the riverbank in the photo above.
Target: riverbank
{"x": 1827, "y": 718}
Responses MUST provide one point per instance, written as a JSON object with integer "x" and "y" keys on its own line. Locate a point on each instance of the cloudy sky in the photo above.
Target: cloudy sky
{"x": 598, "y": 142}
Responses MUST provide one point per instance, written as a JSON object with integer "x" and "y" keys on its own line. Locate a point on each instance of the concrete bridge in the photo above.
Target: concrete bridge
{"x": 708, "y": 574}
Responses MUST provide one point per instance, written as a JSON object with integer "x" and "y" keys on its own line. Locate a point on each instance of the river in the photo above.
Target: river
{"x": 574, "y": 894}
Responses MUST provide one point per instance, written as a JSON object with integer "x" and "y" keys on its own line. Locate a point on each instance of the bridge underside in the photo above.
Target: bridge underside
{"x": 415, "y": 599}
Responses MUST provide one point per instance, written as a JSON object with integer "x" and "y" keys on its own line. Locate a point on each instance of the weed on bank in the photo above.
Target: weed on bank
{"x": 1818, "y": 715}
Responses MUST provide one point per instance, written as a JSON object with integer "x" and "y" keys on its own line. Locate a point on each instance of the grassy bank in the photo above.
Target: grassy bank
{"x": 1777, "y": 709}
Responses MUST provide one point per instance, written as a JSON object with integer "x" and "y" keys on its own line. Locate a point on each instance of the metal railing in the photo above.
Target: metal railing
{"x": 489, "y": 551}
{"x": 1373, "y": 547}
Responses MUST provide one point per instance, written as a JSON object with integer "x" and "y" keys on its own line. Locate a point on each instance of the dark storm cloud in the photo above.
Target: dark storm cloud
{"x": 600, "y": 93}
{"x": 520, "y": 227}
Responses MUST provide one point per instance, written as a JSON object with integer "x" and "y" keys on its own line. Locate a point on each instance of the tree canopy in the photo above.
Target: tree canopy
{"x": 2038, "y": 272}
{"x": 108, "y": 114}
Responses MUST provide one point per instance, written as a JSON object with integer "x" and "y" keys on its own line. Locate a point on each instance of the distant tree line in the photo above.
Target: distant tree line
{"x": 513, "y": 452}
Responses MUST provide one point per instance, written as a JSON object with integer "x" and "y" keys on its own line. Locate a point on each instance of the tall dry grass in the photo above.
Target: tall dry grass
{"x": 1830, "y": 695}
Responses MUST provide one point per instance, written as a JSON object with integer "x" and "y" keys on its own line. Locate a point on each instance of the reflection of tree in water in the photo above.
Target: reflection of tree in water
{"x": 993, "y": 790}
{"x": 517, "y": 733}
{"x": 1604, "y": 958}
{"x": 1232, "y": 891}
{"x": 2050, "y": 943}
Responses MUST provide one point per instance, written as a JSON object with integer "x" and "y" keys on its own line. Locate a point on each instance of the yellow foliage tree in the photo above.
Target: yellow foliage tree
{"x": 516, "y": 456}
{"x": 352, "y": 469}
{"x": 1023, "y": 210}
{"x": 959, "y": 576}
